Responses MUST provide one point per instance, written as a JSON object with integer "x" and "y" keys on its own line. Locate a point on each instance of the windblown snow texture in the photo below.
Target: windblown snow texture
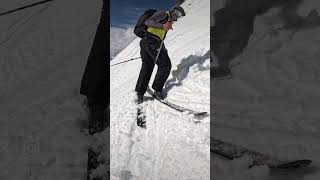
{"x": 271, "y": 103}
{"x": 43, "y": 52}
{"x": 172, "y": 145}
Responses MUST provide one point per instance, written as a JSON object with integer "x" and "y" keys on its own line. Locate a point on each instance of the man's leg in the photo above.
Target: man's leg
{"x": 95, "y": 79}
{"x": 94, "y": 86}
{"x": 164, "y": 68}
{"x": 146, "y": 69}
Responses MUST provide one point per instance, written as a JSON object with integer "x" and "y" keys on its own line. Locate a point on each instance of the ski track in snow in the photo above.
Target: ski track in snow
{"x": 173, "y": 145}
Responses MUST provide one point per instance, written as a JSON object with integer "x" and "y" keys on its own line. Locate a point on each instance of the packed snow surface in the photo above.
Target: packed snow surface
{"x": 43, "y": 52}
{"x": 174, "y": 145}
{"x": 272, "y": 103}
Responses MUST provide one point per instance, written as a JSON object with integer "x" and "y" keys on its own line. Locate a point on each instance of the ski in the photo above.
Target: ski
{"x": 176, "y": 107}
{"x": 92, "y": 163}
{"x": 141, "y": 118}
{"x": 232, "y": 151}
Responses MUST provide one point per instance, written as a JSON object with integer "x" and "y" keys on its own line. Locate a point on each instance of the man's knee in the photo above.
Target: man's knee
{"x": 164, "y": 63}
{"x": 146, "y": 65}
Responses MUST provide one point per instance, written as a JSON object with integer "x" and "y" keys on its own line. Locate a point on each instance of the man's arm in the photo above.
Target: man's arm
{"x": 155, "y": 19}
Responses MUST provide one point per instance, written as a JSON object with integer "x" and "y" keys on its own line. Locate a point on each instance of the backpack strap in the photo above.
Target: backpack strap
{"x": 167, "y": 18}
{"x": 160, "y": 33}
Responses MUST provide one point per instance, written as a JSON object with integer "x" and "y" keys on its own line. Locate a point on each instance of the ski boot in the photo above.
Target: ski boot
{"x": 139, "y": 99}
{"x": 159, "y": 95}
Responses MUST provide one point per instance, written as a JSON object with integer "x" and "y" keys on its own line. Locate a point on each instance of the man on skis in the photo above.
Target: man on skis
{"x": 154, "y": 52}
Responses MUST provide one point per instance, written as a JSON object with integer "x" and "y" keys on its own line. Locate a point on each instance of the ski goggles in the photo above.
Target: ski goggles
{"x": 177, "y": 13}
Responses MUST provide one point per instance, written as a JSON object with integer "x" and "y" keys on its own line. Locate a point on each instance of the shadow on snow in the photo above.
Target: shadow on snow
{"x": 183, "y": 69}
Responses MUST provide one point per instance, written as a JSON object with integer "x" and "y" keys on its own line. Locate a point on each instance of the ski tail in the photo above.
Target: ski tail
{"x": 141, "y": 117}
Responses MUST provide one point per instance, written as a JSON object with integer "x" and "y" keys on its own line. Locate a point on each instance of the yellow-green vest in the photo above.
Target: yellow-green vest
{"x": 161, "y": 33}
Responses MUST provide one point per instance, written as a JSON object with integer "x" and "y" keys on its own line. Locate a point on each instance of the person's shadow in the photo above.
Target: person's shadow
{"x": 183, "y": 69}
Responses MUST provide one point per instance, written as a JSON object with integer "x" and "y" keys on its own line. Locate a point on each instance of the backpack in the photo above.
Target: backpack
{"x": 140, "y": 29}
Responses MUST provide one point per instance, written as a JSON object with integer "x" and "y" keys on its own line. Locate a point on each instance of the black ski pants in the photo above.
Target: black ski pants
{"x": 149, "y": 50}
{"x": 95, "y": 79}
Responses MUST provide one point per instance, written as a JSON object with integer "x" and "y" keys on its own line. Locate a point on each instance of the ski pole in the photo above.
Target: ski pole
{"x": 178, "y": 2}
{"x": 125, "y": 61}
{"x": 24, "y": 7}
{"x": 155, "y": 61}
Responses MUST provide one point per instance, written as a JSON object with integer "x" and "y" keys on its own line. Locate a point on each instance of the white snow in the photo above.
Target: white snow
{"x": 43, "y": 52}
{"x": 272, "y": 104}
{"x": 174, "y": 145}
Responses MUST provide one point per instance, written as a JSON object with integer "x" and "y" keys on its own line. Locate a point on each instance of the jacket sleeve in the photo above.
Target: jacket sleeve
{"x": 155, "y": 19}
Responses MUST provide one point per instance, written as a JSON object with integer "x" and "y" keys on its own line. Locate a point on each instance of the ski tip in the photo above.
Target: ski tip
{"x": 201, "y": 114}
{"x": 295, "y": 164}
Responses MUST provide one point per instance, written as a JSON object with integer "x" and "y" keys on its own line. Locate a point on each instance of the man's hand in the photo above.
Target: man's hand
{"x": 167, "y": 26}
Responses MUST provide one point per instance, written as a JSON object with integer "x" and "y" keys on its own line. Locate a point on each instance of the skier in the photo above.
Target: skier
{"x": 157, "y": 26}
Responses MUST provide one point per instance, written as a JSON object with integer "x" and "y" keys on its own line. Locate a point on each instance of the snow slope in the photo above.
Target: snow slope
{"x": 271, "y": 105}
{"x": 43, "y": 52}
{"x": 174, "y": 145}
